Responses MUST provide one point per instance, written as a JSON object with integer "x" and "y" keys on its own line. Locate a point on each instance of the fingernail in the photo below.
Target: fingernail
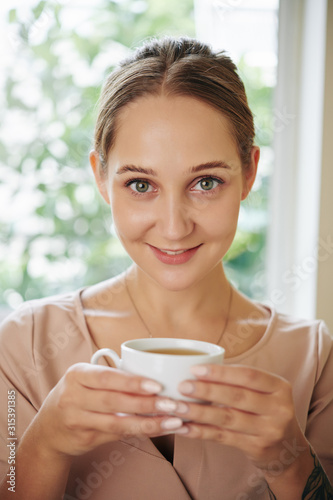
{"x": 151, "y": 386}
{"x": 199, "y": 370}
{"x": 182, "y": 407}
{"x": 182, "y": 430}
{"x": 171, "y": 423}
{"x": 186, "y": 387}
{"x": 166, "y": 405}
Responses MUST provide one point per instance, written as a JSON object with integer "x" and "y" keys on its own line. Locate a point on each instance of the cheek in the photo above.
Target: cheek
{"x": 222, "y": 219}
{"x": 128, "y": 220}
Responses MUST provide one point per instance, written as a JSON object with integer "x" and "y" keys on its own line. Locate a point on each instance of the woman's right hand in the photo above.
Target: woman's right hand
{"x": 94, "y": 404}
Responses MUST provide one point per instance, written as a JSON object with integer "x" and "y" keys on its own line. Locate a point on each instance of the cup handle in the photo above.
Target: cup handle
{"x": 106, "y": 352}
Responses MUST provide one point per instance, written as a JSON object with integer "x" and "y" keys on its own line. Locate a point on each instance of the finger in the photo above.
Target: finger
{"x": 239, "y": 375}
{"x": 107, "y": 401}
{"x": 226, "y": 418}
{"x": 233, "y": 396}
{"x": 103, "y": 377}
{"x": 115, "y": 426}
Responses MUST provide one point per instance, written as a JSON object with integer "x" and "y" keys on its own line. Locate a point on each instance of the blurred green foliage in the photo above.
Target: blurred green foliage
{"x": 55, "y": 234}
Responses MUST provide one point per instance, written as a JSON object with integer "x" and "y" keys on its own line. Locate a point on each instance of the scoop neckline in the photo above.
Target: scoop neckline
{"x": 231, "y": 360}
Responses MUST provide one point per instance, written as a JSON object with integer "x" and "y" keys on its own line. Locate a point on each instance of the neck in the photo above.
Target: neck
{"x": 207, "y": 298}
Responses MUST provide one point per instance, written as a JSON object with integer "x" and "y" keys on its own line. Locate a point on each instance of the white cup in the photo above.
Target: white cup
{"x": 167, "y": 369}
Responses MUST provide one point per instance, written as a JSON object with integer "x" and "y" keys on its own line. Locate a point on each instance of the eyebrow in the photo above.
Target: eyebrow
{"x": 209, "y": 165}
{"x": 149, "y": 171}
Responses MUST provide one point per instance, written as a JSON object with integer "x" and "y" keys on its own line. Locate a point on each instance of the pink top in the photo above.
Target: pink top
{"x": 44, "y": 337}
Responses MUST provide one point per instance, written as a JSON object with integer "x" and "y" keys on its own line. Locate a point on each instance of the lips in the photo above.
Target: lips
{"x": 174, "y": 257}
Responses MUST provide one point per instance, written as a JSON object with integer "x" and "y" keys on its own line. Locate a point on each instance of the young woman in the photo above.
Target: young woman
{"x": 174, "y": 157}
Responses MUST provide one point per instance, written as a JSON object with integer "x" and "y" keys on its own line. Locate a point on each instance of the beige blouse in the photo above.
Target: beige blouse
{"x": 40, "y": 340}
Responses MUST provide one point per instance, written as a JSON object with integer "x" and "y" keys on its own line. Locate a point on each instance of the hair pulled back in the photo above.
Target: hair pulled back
{"x": 176, "y": 67}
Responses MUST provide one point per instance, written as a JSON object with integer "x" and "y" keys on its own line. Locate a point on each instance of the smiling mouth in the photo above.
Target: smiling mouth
{"x": 174, "y": 257}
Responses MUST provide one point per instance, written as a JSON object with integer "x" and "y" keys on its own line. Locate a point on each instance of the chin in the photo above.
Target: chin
{"x": 176, "y": 280}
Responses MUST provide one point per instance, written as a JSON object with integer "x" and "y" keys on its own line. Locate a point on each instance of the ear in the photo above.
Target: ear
{"x": 98, "y": 174}
{"x": 250, "y": 172}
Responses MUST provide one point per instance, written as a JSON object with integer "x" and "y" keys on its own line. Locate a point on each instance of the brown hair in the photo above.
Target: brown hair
{"x": 176, "y": 67}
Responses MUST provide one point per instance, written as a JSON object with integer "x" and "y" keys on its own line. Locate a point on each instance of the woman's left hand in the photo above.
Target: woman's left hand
{"x": 249, "y": 408}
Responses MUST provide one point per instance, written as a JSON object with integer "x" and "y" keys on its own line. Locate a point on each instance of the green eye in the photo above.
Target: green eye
{"x": 207, "y": 184}
{"x": 141, "y": 187}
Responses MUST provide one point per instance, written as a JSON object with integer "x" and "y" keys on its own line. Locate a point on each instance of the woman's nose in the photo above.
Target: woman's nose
{"x": 175, "y": 219}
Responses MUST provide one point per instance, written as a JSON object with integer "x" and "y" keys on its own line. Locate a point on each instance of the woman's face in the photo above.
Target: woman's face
{"x": 175, "y": 184}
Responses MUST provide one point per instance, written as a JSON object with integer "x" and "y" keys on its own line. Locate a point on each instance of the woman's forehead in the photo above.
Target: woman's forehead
{"x": 161, "y": 117}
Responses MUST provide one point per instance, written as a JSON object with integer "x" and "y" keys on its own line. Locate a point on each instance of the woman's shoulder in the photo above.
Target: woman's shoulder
{"x": 311, "y": 330}
{"x": 32, "y": 313}
{"x": 287, "y": 337}
{"x": 42, "y": 328}
{"x": 302, "y": 335}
